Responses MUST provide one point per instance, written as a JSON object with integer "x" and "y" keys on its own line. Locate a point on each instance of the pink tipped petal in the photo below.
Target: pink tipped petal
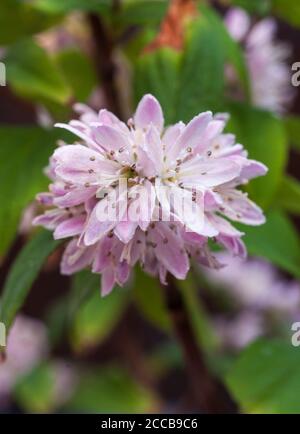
{"x": 213, "y": 130}
{"x": 125, "y": 231}
{"x": 253, "y": 169}
{"x": 69, "y": 228}
{"x": 75, "y": 197}
{"x": 122, "y": 273}
{"x": 192, "y": 134}
{"x": 76, "y": 258}
{"x": 171, "y": 135}
{"x": 107, "y": 118}
{"x": 238, "y": 207}
{"x": 82, "y": 166}
{"x": 107, "y": 281}
{"x": 50, "y": 219}
{"x": 169, "y": 250}
{"x": 223, "y": 226}
{"x": 153, "y": 147}
{"x": 103, "y": 255}
{"x": 149, "y": 112}
{"x": 110, "y": 138}
{"x": 234, "y": 245}
{"x": 209, "y": 173}
{"x": 85, "y": 137}
{"x": 97, "y": 227}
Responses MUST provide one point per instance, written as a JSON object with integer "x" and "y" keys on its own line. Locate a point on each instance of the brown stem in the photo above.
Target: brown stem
{"x": 104, "y": 62}
{"x": 210, "y": 394}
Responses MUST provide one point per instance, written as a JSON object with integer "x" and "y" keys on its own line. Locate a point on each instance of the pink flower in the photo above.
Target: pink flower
{"x": 256, "y": 284}
{"x": 266, "y": 59}
{"x": 143, "y": 193}
{"x": 27, "y": 345}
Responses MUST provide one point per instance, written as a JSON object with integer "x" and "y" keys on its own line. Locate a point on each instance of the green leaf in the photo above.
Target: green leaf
{"x": 201, "y": 85}
{"x": 142, "y": 11}
{"x": 289, "y": 195}
{"x": 148, "y": 296}
{"x": 157, "y": 73}
{"x": 34, "y": 74}
{"x": 110, "y": 390}
{"x": 192, "y": 80}
{"x": 19, "y": 19}
{"x": 23, "y": 273}
{"x": 35, "y": 392}
{"x": 277, "y": 240}
{"x": 24, "y": 152}
{"x": 264, "y": 137}
{"x": 78, "y": 71}
{"x": 58, "y": 6}
{"x": 260, "y": 7}
{"x": 288, "y": 11}
{"x": 292, "y": 125}
{"x": 233, "y": 51}
{"x": 97, "y": 316}
{"x": 266, "y": 378}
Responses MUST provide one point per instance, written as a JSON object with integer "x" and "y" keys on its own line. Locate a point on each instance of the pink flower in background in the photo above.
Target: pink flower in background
{"x": 27, "y": 345}
{"x": 262, "y": 296}
{"x": 266, "y": 58}
{"x": 195, "y": 165}
{"x": 257, "y": 284}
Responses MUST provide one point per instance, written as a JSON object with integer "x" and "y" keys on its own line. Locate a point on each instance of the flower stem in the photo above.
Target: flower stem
{"x": 210, "y": 394}
{"x": 104, "y": 62}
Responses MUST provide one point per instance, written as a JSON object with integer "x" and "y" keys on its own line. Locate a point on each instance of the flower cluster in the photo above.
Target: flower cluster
{"x": 266, "y": 59}
{"x": 196, "y": 165}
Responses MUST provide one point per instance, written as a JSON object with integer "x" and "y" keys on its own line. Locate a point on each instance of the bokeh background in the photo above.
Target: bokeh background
{"x": 72, "y": 351}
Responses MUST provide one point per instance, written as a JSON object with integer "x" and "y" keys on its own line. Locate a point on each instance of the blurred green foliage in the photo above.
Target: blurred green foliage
{"x": 265, "y": 378}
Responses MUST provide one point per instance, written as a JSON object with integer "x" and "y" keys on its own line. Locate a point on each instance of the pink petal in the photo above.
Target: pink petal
{"x": 110, "y": 138}
{"x": 108, "y": 118}
{"x": 252, "y": 169}
{"x": 122, "y": 273}
{"x": 95, "y": 228}
{"x": 213, "y": 130}
{"x": 209, "y": 173}
{"x": 107, "y": 281}
{"x": 75, "y": 197}
{"x": 69, "y": 228}
{"x": 125, "y": 231}
{"x": 153, "y": 147}
{"x": 149, "y": 111}
{"x": 192, "y": 133}
{"x": 169, "y": 250}
{"x": 238, "y": 207}
{"x": 80, "y": 165}
{"x": 103, "y": 255}
{"x": 78, "y": 132}
{"x": 76, "y": 258}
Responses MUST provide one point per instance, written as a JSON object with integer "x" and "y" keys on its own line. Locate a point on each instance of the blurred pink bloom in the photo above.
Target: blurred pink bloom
{"x": 27, "y": 344}
{"x": 267, "y": 60}
{"x": 65, "y": 380}
{"x": 256, "y": 284}
{"x": 195, "y": 165}
{"x": 240, "y": 331}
